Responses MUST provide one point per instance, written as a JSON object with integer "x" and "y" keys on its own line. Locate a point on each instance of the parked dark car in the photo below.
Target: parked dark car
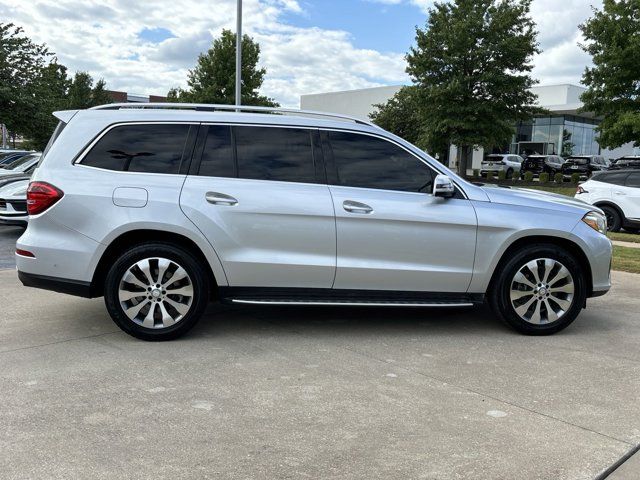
{"x": 538, "y": 164}
{"x": 630, "y": 161}
{"x": 585, "y": 165}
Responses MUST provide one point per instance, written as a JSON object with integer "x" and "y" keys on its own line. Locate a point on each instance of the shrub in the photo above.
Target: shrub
{"x": 476, "y": 173}
{"x": 528, "y": 176}
{"x": 575, "y": 177}
{"x": 489, "y": 176}
{"x": 558, "y": 178}
{"x": 544, "y": 177}
{"x": 502, "y": 175}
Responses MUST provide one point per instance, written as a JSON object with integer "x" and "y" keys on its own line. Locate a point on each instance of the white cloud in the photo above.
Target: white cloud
{"x": 103, "y": 38}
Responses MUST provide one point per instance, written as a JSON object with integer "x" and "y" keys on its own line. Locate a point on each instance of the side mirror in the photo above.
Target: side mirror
{"x": 443, "y": 187}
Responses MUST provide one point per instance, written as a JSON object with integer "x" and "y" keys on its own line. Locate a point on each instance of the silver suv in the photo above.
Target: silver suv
{"x": 162, "y": 208}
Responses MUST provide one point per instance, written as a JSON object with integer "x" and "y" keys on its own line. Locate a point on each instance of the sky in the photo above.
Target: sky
{"x": 308, "y": 46}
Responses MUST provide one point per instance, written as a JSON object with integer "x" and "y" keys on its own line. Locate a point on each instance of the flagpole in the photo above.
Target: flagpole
{"x": 239, "y": 55}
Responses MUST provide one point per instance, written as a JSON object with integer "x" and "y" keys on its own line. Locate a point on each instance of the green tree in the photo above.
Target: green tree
{"x": 613, "y": 83}
{"x": 50, "y": 88}
{"x": 83, "y": 94}
{"x": 21, "y": 62}
{"x": 213, "y": 78}
{"x": 472, "y": 67}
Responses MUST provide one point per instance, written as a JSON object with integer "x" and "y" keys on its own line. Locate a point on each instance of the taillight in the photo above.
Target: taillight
{"x": 41, "y": 196}
{"x": 580, "y": 190}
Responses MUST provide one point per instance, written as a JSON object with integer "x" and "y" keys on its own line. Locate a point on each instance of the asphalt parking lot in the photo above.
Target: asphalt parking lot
{"x": 316, "y": 393}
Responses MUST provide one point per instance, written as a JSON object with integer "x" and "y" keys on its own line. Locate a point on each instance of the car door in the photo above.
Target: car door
{"x": 392, "y": 234}
{"x": 629, "y": 196}
{"x": 259, "y": 195}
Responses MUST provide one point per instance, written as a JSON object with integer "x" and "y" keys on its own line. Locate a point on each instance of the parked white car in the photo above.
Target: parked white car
{"x": 511, "y": 164}
{"x": 13, "y": 203}
{"x": 21, "y": 165}
{"x": 617, "y": 193}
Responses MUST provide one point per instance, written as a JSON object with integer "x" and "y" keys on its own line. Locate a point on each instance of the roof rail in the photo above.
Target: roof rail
{"x": 205, "y": 107}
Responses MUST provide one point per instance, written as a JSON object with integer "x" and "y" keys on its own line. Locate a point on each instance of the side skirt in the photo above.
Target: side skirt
{"x": 331, "y": 297}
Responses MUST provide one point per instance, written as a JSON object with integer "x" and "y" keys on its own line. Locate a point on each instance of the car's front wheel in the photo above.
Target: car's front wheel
{"x": 614, "y": 219}
{"x": 156, "y": 291}
{"x": 539, "y": 291}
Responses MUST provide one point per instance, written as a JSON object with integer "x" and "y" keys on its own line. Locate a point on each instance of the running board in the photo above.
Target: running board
{"x": 331, "y": 297}
{"x": 353, "y": 303}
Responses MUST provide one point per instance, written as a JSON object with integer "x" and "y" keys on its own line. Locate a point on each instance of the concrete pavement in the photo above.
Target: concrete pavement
{"x": 266, "y": 392}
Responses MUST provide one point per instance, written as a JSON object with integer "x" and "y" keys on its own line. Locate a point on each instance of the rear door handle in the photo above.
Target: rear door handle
{"x": 356, "y": 207}
{"x": 619, "y": 193}
{"x": 216, "y": 198}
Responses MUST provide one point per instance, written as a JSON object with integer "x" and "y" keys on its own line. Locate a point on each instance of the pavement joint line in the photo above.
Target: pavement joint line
{"x": 60, "y": 341}
{"x": 471, "y": 390}
{"x": 617, "y": 464}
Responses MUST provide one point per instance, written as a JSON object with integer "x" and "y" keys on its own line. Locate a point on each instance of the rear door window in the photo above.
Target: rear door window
{"x": 149, "y": 148}
{"x": 369, "y": 162}
{"x": 217, "y": 156}
{"x": 275, "y": 153}
{"x": 613, "y": 178}
{"x": 633, "y": 180}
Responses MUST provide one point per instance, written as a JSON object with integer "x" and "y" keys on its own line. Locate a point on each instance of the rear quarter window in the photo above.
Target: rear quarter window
{"x": 149, "y": 148}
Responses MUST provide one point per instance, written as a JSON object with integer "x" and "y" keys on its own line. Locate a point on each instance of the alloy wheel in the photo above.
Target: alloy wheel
{"x": 542, "y": 291}
{"x": 156, "y": 293}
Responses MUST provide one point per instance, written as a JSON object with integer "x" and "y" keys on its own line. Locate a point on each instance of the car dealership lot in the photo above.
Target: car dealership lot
{"x": 315, "y": 392}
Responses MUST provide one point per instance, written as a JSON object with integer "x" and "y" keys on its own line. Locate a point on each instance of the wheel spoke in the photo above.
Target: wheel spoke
{"x": 548, "y": 266}
{"x": 520, "y": 278}
{"x": 167, "y": 320}
{"x": 534, "y": 269}
{"x": 125, "y": 295}
{"x": 179, "y": 274}
{"x": 132, "y": 279}
{"x": 184, "y": 291}
{"x": 552, "y": 316}
{"x": 163, "y": 264}
{"x": 180, "y": 307}
{"x": 563, "y": 304}
{"x": 145, "y": 268}
{"x": 148, "y": 321}
{"x": 132, "y": 312}
{"x": 561, "y": 275}
{"x": 568, "y": 288}
{"x": 522, "y": 309}
{"x": 519, "y": 294}
{"x": 535, "y": 316}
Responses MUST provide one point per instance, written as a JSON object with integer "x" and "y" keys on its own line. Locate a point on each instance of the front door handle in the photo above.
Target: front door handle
{"x": 356, "y": 207}
{"x": 619, "y": 193}
{"x": 216, "y": 198}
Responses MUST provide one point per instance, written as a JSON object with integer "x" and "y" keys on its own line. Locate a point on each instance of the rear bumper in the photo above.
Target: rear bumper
{"x": 77, "y": 288}
{"x": 20, "y": 221}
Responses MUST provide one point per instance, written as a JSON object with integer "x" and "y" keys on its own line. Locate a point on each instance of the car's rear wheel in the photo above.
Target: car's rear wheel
{"x": 614, "y": 220}
{"x": 539, "y": 291}
{"x": 510, "y": 173}
{"x": 156, "y": 291}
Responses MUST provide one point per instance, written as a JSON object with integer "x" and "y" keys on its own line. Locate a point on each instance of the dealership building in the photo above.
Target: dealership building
{"x": 564, "y": 130}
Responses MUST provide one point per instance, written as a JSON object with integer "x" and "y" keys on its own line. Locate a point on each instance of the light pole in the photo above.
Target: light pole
{"x": 239, "y": 55}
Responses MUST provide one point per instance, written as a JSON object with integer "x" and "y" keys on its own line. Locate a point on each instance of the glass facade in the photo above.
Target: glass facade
{"x": 559, "y": 134}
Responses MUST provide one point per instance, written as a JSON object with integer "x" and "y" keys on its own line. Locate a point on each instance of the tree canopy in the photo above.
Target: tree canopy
{"x": 212, "y": 80}
{"x": 33, "y": 85}
{"x": 613, "y": 83}
{"x": 471, "y": 72}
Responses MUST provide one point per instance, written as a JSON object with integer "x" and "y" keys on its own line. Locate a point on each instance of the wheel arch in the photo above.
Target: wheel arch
{"x": 131, "y": 238}
{"x": 568, "y": 245}
{"x": 609, "y": 203}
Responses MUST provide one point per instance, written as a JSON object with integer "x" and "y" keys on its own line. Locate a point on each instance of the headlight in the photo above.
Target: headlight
{"x": 597, "y": 221}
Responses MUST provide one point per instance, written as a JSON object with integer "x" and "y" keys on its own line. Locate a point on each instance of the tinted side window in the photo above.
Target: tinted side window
{"x": 633, "y": 180}
{"x": 370, "y": 162}
{"x": 217, "y": 156}
{"x": 140, "y": 148}
{"x": 614, "y": 178}
{"x": 273, "y": 153}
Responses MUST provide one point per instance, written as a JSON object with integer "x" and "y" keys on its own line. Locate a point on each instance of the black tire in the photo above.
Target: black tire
{"x": 500, "y": 290}
{"x": 510, "y": 173}
{"x": 614, "y": 219}
{"x": 198, "y": 281}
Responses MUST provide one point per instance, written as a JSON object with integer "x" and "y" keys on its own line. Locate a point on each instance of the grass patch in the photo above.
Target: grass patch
{"x": 568, "y": 191}
{"x": 626, "y": 259}
{"x": 624, "y": 237}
